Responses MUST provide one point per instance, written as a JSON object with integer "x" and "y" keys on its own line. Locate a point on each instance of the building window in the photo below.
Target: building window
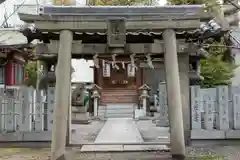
{"x": 2, "y": 74}
{"x": 19, "y": 73}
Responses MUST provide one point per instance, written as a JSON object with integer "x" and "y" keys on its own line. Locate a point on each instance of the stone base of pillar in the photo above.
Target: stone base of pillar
{"x": 66, "y": 156}
{"x": 178, "y": 156}
{"x": 63, "y": 157}
{"x": 162, "y": 123}
{"x": 80, "y": 116}
{"x": 187, "y": 137}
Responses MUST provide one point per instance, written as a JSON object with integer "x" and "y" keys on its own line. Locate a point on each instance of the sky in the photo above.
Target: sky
{"x": 82, "y": 71}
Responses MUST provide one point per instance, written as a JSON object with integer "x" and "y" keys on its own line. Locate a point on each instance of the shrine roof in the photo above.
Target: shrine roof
{"x": 13, "y": 41}
{"x": 12, "y": 37}
{"x": 167, "y": 11}
{"x": 101, "y": 37}
{"x": 95, "y": 18}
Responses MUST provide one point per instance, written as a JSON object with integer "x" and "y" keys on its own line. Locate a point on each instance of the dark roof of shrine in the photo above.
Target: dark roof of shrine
{"x": 101, "y": 37}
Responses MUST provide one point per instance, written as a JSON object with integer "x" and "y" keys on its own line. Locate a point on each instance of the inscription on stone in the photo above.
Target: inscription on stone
{"x": 209, "y": 109}
{"x": 39, "y": 111}
{"x": 27, "y": 110}
{"x": 195, "y": 107}
{"x": 163, "y": 103}
{"x": 51, "y": 104}
{"x": 223, "y": 114}
{"x": 9, "y": 115}
{"x": 236, "y": 109}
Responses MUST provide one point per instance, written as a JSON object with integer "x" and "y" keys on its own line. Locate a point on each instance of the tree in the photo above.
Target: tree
{"x": 217, "y": 69}
{"x": 31, "y": 71}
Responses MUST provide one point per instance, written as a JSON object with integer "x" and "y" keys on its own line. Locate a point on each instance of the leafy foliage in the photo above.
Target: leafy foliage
{"x": 218, "y": 68}
{"x": 179, "y": 2}
{"x": 31, "y": 71}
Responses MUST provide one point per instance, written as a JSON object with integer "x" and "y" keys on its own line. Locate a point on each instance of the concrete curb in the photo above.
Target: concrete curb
{"x": 124, "y": 148}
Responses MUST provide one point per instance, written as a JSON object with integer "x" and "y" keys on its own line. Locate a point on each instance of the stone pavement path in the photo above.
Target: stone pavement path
{"x": 119, "y": 130}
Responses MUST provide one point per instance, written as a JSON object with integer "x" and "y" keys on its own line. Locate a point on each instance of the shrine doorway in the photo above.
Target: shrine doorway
{"x": 118, "y": 83}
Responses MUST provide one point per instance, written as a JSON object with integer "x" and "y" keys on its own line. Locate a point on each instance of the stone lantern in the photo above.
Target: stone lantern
{"x": 79, "y": 109}
{"x": 95, "y": 96}
{"x": 144, "y": 90}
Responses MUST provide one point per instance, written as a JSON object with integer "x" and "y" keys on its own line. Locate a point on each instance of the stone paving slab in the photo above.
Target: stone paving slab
{"x": 101, "y": 148}
{"x": 119, "y": 130}
{"x": 151, "y": 133}
{"x": 123, "y": 148}
{"x": 205, "y": 134}
{"x": 146, "y": 148}
{"x": 86, "y": 133}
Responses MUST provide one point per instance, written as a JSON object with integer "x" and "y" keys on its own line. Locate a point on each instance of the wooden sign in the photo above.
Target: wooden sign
{"x": 130, "y": 70}
{"x": 106, "y": 69}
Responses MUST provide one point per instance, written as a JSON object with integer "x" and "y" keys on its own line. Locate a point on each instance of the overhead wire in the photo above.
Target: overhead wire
{"x": 13, "y": 13}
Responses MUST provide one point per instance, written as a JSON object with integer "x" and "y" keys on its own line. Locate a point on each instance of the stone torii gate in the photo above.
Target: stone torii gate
{"x": 62, "y": 25}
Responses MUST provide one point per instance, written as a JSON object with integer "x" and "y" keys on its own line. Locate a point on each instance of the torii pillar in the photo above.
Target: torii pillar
{"x": 174, "y": 95}
{"x": 62, "y": 96}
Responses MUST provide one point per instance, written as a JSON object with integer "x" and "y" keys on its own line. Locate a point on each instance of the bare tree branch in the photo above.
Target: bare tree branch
{"x": 7, "y": 18}
{"x": 233, "y": 3}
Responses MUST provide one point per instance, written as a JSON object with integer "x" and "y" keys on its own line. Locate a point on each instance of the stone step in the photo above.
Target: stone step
{"x": 120, "y": 112}
{"x": 121, "y": 105}
{"x": 116, "y": 111}
{"x": 116, "y": 108}
{"x": 118, "y": 96}
{"x": 119, "y": 115}
{"x": 108, "y": 100}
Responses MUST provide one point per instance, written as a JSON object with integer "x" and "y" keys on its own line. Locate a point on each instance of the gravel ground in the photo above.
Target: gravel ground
{"x": 86, "y": 133}
{"x": 194, "y": 153}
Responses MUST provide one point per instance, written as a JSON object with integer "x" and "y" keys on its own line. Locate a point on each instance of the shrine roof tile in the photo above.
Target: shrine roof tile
{"x": 12, "y": 37}
{"x": 144, "y": 33}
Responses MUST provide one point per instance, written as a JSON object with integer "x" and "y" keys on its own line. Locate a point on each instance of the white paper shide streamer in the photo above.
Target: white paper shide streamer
{"x": 114, "y": 64}
{"x": 132, "y": 66}
{"x": 149, "y": 61}
{"x": 96, "y": 61}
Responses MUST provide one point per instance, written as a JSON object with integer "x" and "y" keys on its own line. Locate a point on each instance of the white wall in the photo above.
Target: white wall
{"x": 83, "y": 72}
